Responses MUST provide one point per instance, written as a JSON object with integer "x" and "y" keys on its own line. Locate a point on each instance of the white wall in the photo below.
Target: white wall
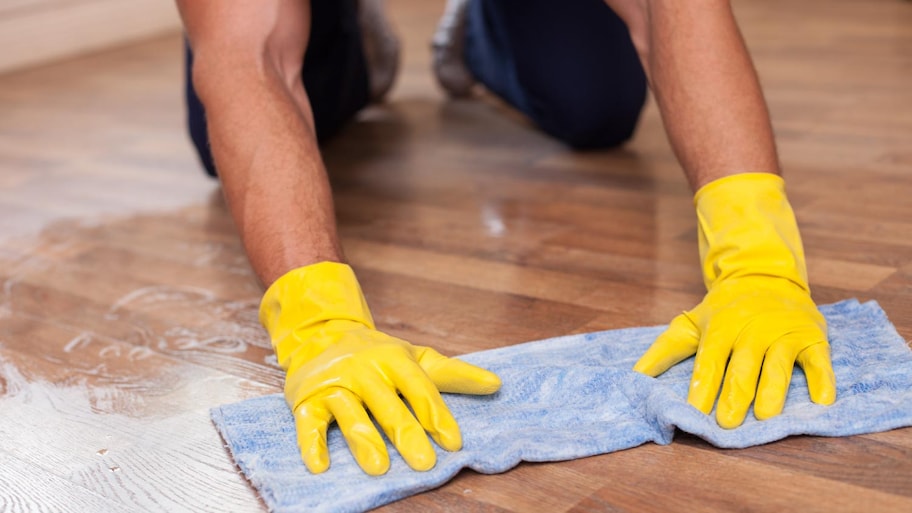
{"x": 37, "y": 31}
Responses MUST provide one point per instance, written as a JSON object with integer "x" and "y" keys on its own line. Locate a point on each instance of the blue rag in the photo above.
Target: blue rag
{"x": 572, "y": 397}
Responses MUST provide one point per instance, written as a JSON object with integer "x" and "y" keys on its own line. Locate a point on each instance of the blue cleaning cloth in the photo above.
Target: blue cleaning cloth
{"x": 572, "y": 397}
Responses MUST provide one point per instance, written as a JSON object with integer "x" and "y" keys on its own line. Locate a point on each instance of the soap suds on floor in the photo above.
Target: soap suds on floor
{"x": 164, "y": 454}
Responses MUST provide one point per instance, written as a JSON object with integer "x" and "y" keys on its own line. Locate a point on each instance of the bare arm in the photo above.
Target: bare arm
{"x": 705, "y": 84}
{"x": 247, "y": 67}
{"x": 757, "y": 319}
{"x": 247, "y": 72}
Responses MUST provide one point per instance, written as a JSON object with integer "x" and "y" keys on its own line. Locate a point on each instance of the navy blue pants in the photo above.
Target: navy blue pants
{"x": 569, "y": 65}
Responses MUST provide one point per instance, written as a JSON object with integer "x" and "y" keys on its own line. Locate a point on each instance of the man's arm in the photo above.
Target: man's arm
{"x": 757, "y": 319}
{"x": 705, "y": 85}
{"x": 247, "y": 71}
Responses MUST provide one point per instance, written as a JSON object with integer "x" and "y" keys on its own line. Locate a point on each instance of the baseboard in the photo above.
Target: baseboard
{"x": 39, "y": 31}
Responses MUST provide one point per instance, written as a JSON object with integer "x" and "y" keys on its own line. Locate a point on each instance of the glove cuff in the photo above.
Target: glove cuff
{"x": 303, "y": 300}
{"x": 747, "y": 228}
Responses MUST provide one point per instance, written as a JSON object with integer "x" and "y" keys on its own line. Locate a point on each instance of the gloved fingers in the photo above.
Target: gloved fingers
{"x": 740, "y": 383}
{"x": 776, "y": 375}
{"x": 709, "y": 369}
{"x": 400, "y": 426}
{"x": 362, "y": 437}
{"x": 432, "y": 413}
{"x": 312, "y": 418}
{"x": 818, "y": 368}
{"x": 455, "y": 376}
{"x": 678, "y": 342}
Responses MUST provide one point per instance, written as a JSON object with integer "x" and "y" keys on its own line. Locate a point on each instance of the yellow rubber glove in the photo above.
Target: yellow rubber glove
{"x": 339, "y": 367}
{"x": 757, "y": 318}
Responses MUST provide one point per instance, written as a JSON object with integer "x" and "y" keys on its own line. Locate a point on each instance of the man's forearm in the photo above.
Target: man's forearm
{"x": 261, "y": 131}
{"x": 274, "y": 179}
{"x": 705, "y": 85}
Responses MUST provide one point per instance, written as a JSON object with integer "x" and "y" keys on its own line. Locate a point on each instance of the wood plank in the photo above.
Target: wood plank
{"x": 27, "y": 488}
{"x": 826, "y": 457}
{"x": 680, "y": 477}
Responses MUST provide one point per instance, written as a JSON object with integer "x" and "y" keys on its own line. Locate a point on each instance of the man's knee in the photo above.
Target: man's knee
{"x": 573, "y": 68}
{"x": 591, "y": 123}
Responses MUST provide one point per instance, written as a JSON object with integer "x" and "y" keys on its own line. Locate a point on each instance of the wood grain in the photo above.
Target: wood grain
{"x": 128, "y": 309}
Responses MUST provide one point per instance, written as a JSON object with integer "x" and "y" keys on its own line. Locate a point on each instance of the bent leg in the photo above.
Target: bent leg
{"x": 334, "y": 71}
{"x": 570, "y": 66}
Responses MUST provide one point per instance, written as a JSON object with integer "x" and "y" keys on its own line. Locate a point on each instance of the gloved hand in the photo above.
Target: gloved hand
{"x": 339, "y": 367}
{"x": 757, "y": 318}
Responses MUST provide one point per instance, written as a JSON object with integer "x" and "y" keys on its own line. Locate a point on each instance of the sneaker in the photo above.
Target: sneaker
{"x": 381, "y": 47}
{"x": 448, "y": 46}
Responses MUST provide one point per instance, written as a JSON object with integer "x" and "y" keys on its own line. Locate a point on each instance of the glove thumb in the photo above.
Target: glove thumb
{"x": 456, "y": 376}
{"x": 678, "y": 342}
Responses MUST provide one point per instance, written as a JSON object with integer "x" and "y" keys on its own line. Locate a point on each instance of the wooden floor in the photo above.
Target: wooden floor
{"x": 127, "y": 308}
